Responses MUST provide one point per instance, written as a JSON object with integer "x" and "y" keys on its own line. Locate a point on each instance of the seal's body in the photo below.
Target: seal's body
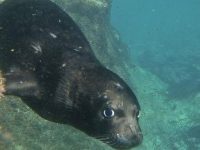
{"x": 46, "y": 60}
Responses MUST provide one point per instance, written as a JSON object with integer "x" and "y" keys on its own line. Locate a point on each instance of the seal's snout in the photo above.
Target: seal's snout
{"x": 137, "y": 139}
{"x": 124, "y": 142}
{"x": 130, "y": 138}
{"x": 136, "y": 135}
{"x": 128, "y": 133}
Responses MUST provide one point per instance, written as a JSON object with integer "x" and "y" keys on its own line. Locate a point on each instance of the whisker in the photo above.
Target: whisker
{"x": 103, "y": 136}
{"x": 103, "y": 139}
{"x": 109, "y": 139}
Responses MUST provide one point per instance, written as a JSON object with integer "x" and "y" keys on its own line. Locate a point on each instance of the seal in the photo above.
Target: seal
{"x": 46, "y": 60}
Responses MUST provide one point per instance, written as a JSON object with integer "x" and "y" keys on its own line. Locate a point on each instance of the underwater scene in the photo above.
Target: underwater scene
{"x": 99, "y": 75}
{"x": 164, "y": 42}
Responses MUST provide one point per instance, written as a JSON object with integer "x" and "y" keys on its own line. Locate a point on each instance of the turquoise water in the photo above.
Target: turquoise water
{"x": 164, "y": 40}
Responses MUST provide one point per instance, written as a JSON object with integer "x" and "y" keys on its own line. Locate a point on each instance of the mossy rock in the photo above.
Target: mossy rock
{"x": 22, "y": 129}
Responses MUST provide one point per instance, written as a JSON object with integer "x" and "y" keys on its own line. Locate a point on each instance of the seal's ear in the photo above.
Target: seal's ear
{"x": 20, "y": 83}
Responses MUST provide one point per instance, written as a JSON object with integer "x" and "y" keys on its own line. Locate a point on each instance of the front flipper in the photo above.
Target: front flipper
{"x": 2, "y": 85}
{"x": 19, "y": 83}
{"x": 24, "y": 84}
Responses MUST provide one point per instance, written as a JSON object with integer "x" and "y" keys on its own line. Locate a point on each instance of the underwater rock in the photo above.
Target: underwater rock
{"x": 93, "y": 17}
{"x": 181, "y": 76}
{"x": 21, "y": 128}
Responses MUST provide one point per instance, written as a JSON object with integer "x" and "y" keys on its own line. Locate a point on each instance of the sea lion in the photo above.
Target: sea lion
{"x": 46, "y": 60}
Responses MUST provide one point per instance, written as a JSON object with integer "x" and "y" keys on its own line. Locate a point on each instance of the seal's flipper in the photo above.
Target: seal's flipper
{"x": 2, "y": 85}
{"x": 21, "y": 83}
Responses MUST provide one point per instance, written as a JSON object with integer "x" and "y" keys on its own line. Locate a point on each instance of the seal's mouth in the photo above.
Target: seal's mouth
{"x": 124, "y": 143}
{"x": 121, "y": 142}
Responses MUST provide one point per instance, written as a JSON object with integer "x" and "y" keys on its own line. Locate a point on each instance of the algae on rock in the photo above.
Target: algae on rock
{"x": 21, "y": 128}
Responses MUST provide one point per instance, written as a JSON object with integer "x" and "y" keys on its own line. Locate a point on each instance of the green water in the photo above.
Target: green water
{"x": 164, "y": 40}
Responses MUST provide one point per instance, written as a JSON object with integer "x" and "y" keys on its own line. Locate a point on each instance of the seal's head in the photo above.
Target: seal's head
{"x": 106, "y": 108}
{"x": 118, "y": 116}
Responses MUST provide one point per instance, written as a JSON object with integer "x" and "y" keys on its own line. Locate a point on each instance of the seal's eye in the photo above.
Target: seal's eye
{"x": 108, "y": 112}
